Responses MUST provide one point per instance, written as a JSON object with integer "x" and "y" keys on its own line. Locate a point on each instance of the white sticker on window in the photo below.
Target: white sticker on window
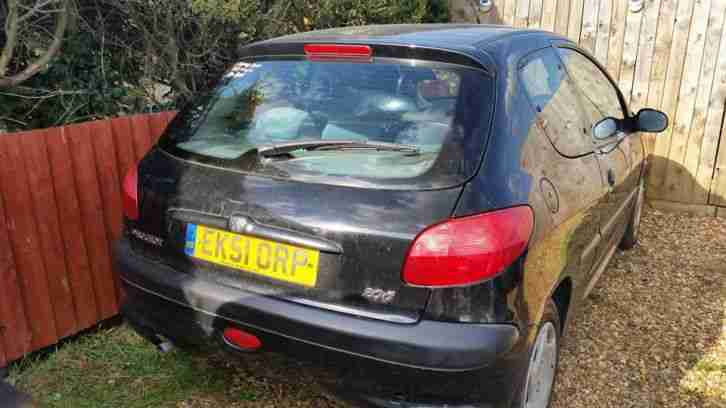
{"x": 241, "y": 69}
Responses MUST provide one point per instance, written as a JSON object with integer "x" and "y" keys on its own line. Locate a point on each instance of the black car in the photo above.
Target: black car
{"x": 419, "y": 207}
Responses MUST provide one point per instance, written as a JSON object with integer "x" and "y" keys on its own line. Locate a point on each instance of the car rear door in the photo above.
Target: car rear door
{"x": 601, "y": 99}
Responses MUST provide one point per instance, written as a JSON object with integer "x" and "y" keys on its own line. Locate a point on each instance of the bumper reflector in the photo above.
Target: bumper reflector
{"x": 241, "y": 340}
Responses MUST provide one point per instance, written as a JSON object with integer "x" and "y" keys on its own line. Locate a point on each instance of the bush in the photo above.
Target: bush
{"x": 126, "y": 56}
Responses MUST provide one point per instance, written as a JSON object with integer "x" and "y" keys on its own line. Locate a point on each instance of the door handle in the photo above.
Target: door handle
{"x": 611, "y": 177}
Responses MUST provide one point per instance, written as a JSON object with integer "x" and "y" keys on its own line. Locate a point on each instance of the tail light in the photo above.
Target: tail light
{"x": 130, "y": 193}
{"x": 468, "y": 250}
{"x": 338, "y": 52}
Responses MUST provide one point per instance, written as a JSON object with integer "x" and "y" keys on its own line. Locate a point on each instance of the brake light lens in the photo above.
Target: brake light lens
{"x": 338, "y": 51}
{"x": 241, "y": 340}
{"x": 468, "y": 250}
{"x": 130, "y": 193}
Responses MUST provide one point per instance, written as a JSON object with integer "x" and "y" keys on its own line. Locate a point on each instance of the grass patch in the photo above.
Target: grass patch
{"x": 117, "y": 368}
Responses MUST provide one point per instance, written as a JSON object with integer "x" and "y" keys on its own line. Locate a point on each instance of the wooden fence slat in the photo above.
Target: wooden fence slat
{"x": 574, "y": 26}
{"x": 562, "y": 19}
{"x": 510, "y": 10}
{"x": 676, "y": 174}
{"x": 661, "y": 52}
{"x": 106, "y": 156}
{"x": 617, "y": 39}
{"x": 23, "y": 234}
{"x": 157, "y": 125}
{"x": 669, "y": 99}
{"x": 718, "y": 188}
{"x": 16, "y": 335}
{"x": 89, "y": 197}
{"x": 602, "y": 40}
{"x": 708, "y": 174}
{"x": 694, "y": 192}
{"x": 630, "y": 53}
{"x": 124, "y": 146}
{"x": 521, "y": 19}
{"x": 140, "y": 133}
{"x": 646, "y": 45}
{"x": 79, "y": 270}
{"x": 535, "y": 14}
{"x": 48, "y": 224}
{"x": 588, "y": 34}
{"x": 105, "y": 153}
{"x": 549, "y": 15}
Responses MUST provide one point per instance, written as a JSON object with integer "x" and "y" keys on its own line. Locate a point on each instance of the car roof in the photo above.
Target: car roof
{"x": 468, "y": 39}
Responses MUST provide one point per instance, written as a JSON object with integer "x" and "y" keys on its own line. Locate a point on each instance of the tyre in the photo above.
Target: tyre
{"x": 539, "y": 381}
{"x": 631, "y": 232}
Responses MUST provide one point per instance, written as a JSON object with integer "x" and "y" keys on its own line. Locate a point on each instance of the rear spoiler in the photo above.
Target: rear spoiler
{"x": 274, "y": 48}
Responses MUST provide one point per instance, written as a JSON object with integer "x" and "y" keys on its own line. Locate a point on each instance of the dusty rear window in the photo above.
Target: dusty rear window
{"x": 443, "y": 110}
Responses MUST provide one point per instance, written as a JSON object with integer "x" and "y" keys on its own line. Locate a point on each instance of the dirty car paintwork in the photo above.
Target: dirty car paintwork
{"x": 520, "y": 167}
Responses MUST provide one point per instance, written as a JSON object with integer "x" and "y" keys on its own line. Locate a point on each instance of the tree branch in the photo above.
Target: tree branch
{"x": 11, "y": 37}
{"x": 43, "y": 60}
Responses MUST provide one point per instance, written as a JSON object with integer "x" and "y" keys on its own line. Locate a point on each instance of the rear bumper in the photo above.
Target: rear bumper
{"x": 193, "y": 310}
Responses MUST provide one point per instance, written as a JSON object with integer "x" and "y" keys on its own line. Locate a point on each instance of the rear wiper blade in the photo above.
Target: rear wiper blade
{"x": 287, "y": 147}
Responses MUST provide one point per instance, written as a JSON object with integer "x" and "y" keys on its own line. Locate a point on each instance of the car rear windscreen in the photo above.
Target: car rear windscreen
{"x": 441, "y": 110}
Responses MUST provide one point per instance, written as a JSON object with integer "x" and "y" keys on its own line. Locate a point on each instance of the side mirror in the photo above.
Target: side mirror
{"x": 651, "y": 120}
{"x": 605, "y": 128}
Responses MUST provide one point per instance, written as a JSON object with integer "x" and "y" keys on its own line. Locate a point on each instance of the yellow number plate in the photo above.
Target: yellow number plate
{"x": 260, "y": 256}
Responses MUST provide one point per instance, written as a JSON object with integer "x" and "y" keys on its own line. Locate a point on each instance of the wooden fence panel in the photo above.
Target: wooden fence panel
{"x": 549, "y": 16}
{"x": 157, "y": 125}
{"x": 105, "y": 155}
{"x": 24, "y": 242}
{"x": 76, "y": 251}
{"x": 676, "y": 175}
{"x": 718, "y": 192}
{"x": 16, "y": 335}
{"x": 603, "y": 31}
{"x": 646, "y": 47}
{"x": 696, "y": 133}
{"x": 60, "y": 211}
{"x": 588, "y": 33}
{"x": 51, "y": 241}
{"x": 125, "y": 153}
{"x": 140, "y": 131}
{"x": 616, "y": 43}
{"x": 562, "y": 19}
{"x": 89, "y": 197}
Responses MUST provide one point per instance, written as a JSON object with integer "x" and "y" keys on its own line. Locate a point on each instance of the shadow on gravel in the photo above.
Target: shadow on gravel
{"x": 652, "y": 332}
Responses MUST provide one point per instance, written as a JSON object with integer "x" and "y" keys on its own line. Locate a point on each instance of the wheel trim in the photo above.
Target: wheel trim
{"x": 542, "y": 367}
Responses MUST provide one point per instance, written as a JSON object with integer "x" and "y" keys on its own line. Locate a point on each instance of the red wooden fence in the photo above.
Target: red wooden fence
{"x": 60, "y": 210}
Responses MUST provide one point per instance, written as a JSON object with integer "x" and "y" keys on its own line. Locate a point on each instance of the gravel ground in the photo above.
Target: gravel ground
{"x": 652, "y": 334}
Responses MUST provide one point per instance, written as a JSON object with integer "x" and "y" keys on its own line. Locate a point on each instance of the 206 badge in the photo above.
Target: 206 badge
{"x": 379, "y": 295}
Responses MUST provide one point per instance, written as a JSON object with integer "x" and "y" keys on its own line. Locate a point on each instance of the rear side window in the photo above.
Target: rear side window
{"x": 443, "y": 110}
{"x": 601, "y": 96}
{"x": 555, "y": 99}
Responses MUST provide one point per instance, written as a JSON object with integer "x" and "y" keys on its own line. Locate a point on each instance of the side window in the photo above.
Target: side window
{"x": 600, "y": 96}
{"x": 554, "y": 97}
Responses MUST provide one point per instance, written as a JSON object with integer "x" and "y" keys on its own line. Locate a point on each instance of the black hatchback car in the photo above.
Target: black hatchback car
{"x": 421, "y": 207}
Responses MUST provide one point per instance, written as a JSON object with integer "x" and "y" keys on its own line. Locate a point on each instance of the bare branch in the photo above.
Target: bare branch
{"x": 11, "y": 36}
{"x": 38, "y": 9}
{"x": 35, "y": 67}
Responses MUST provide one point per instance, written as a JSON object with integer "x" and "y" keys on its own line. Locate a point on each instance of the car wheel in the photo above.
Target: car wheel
{"x": 543, "y": 361}
{"x": 631, "y": 233}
